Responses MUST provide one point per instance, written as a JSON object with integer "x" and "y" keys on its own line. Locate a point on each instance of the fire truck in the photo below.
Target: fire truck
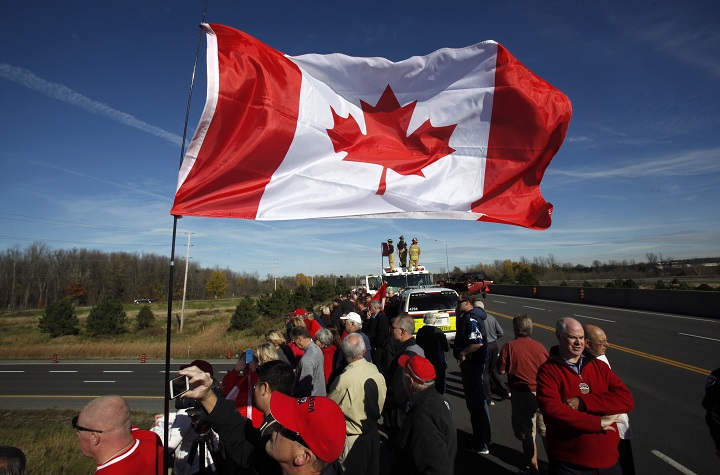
{"x": 398, "y": 279}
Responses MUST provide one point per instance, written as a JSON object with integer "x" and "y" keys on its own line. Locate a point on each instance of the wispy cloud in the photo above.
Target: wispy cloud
{"x": 63, "y": 93}
{"x": 102, "y": 180}
{"x": 693, "y": 46}
{"x": 686, "y": 164}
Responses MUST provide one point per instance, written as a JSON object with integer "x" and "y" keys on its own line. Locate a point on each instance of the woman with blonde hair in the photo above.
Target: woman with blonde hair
{"x": 265, "y": 352}
{"x": 279, "y": 342}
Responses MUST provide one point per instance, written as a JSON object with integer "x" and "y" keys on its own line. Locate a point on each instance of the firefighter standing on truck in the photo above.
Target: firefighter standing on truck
{"x": 414, "y": 254}
{"x": 402, "y": 251}
{"x": 391, "y": 255}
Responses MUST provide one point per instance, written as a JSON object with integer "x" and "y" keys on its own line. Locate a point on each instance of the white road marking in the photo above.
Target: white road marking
{"x": 698, "y": 336}
{"x": 10, "y": 371}
{"x": 534, "y": 308}
{"x": 672, "y": 463}
{"x": 60, "y": 371}
{"x": 110, "y": 371}
{"x": 499, "y": 301}
{"x": 594, "y": 318}
{"x": 629, "y": 310}
{"x": 98, "y": 381}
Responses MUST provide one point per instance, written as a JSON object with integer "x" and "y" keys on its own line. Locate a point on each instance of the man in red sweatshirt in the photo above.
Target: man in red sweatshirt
{"x": 580, "y": 398}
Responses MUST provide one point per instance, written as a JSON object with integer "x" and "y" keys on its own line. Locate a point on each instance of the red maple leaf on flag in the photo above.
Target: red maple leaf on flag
{"x": 387, "y": 143}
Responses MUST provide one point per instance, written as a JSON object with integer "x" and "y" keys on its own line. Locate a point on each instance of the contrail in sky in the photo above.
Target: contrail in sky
{"x": 65, "y": 94}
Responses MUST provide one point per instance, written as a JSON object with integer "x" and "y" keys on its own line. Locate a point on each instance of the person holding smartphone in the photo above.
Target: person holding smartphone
{"x": 238, "y": 383}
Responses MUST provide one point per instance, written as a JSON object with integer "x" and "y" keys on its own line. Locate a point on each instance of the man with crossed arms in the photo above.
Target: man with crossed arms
{"x": 580, "y": 398}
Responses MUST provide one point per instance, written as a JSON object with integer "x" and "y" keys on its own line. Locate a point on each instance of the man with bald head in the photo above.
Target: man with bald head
{"x": 104, "y": 434}
{"x": 580, "y": 399}
{"x": 596, "y": 344}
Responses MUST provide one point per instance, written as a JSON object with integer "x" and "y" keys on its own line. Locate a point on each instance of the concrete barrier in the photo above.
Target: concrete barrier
{"x": 695, "y": 303}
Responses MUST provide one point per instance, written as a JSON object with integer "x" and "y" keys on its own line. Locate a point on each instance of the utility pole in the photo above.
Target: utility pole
{"x": 312, "y": 277}
{"x": 187, "y": 261}
{"x": 447, "y": 262}
{"x": 275, "y": 272}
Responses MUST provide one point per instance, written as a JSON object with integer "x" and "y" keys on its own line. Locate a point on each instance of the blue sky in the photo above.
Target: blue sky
{"x": 93, "y": 98}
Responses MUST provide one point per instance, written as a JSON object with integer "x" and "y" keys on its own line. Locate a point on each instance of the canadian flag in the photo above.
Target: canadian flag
{"x": 458, "y": 134}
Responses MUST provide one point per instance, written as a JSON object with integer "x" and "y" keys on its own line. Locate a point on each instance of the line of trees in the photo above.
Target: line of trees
{"x": 36, "y": 276}
{"x": 547, "y": 270}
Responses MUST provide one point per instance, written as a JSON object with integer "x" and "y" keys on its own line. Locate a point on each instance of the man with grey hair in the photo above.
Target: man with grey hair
{"x": 360, "y": 392}
{"x": 596, "y": 344}
{"x": 580, "y": 398}
{"x": 104, "y": 434}
{"x": 353, "y": 324}
{"x": 401, "y": 343}
{"x": 520, "y": 359}
{"x": 310, "y": 371}
{"x": 434, "y": 343}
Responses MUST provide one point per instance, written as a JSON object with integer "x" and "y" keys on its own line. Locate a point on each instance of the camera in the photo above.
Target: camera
{"x": 187, "y": 403}
{"x": 196, "y": 411}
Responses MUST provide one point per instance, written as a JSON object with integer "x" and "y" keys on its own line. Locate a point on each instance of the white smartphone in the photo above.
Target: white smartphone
{"x": 179, "y": 386}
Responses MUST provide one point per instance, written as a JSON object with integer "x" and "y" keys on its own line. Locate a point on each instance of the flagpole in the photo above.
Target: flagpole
{"x": 168, "y": 334}
{"x": 167, "y": 462}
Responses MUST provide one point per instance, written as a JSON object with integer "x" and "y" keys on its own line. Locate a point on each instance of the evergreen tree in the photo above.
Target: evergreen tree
{"x": 301, "y": 298}
{"x": 107, "y": 318}
{"x": 323, "y": 291}
{"x": 276, "y": 303}
{"x": 525, "y": 277}
{"x": 341, "y": 286}
{"x": 246, "y": 313}
{"x": 145, "y": 317}
{"x": 60, "y": 319}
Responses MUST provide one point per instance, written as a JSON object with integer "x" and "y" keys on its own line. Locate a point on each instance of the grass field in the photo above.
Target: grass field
{"x": 49, "y": 441}
{"x": 46, "y": 436}
{"x": 206, "y": 335}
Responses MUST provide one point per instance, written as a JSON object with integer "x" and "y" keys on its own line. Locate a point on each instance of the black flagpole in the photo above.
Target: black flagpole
{"x": 171, "y": 279}
{"x": 168, "y": 459}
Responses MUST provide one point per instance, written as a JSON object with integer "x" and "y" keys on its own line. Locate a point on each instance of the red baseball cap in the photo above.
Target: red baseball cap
{"x": 418, "y": 368}
{"x": 298, "y": 312}
{"x": 317, "y": 419}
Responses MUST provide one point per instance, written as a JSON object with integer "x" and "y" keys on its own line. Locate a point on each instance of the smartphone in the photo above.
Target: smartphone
{"x": 249, "y": 356}
{"x": 179, "y": 386}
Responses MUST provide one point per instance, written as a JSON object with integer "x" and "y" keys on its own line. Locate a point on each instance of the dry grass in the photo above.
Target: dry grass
{"x": 206, "y": 335}
{"x": 48, "y": 440}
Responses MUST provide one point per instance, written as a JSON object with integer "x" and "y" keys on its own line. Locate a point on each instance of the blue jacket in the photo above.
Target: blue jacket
{"x": 471, "y": 330}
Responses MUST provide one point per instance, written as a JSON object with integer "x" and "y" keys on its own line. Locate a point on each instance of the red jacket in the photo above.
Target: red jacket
{"x": 573, "y": 436}
{"x": 240, "y": 389}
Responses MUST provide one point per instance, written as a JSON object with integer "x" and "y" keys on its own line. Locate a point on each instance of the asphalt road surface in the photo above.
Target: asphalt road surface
{"x": 662, "y": 358}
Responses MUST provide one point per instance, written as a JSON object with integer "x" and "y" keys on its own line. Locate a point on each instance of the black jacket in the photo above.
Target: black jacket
{"x": 427, "y": 441}
{"x": 243, "y": 443}
{"x": 396, "y": 398}
{"x": 434, "y": 342}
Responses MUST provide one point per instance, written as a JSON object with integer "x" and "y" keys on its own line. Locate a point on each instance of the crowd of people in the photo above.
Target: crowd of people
{"x": 351, "y": 391}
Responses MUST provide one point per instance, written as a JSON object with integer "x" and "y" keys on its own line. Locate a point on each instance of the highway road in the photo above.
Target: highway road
{"x": 662, "y": 358}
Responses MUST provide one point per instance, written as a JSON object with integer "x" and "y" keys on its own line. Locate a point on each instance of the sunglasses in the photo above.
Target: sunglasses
{"x": 81, "y": 428}
{"x": 290, "y": 435}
